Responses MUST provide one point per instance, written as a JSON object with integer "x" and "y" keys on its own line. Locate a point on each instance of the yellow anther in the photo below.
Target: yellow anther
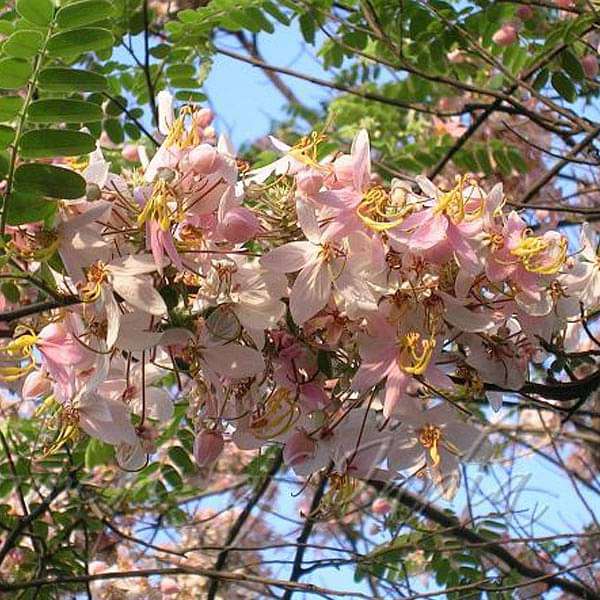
{"x": 415, "y": 353}
{"x": 157, "y": 207}
{"x": 430, "y": 437}
{"x": 179, "y": 135}
{"x": 96, "y": 275}
{"x": 537, "y": 254}
{"x": 19, "y": 349}
{"x": 456, "y": 206}
{"x": 277, "y": 416}
{"x": 307, "y": 148}
{"x": 377, "y": 210}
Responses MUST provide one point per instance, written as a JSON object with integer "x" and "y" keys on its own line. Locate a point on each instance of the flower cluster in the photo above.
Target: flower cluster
{"x": 306, "y": 303}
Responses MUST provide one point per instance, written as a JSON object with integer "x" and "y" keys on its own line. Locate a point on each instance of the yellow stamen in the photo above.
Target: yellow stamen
{"x": 532, "y": 250}
{"x": 157, "y": 207}
{"x": 19, "y": 349}
{"x": 96, "y": 275}
{"x": 456, "y": 206}
{"x": 179, "y": 135}
{"x": 307, "y": 148}
{"x": 277, "y": 416}
{"x": 377, "y": 211}
{"x": 415, "y": 353}
{"x": 429, "y": 438}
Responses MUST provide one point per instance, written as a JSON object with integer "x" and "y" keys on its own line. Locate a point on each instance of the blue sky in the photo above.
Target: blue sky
{"x": 242, "y": 96}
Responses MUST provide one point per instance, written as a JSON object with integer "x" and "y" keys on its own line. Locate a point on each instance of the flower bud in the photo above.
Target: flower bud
{"x": 456, "y": 56}
{"x": 169, "y": 587}
{"x": 506, "y": 35}
{"x": 92, "y": 192}
{"x": 208, "y": 445}
{"x": 298, "y": 448}
{"x": 525, "y": 12}
{"x": 239, "y": 225}
{"x": 202, "y": 158}
{"x": 381, "y": 506}
{"x": 564, "y": 3}
{"x": 344, "y": 168}
{"x": 589, "y": 64}
{"x": 36, "y": 384}
{"x": 204, "y": 117}
{"x": 130, "y": 152}
{"x": 309, "y": 182}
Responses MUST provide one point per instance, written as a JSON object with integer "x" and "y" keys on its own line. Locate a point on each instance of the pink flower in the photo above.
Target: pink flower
{"x": 130, "y": 152}
{"x": 525, "y": 12}
{"x": 239, "y": 225}
{"x": 506, "y": 35}
{"x": 589, "y": 64}
{"x": 395, "y": 352}
{"x": 208, "y": 446}
{"x": 436, "y": 439}
{"x": 298, "y": 448}
{"x": 381, "y": 506}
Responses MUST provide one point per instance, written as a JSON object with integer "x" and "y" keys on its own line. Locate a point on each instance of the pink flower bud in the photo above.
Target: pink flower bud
{"x": 506, "y": 35}
{"x": 169, "y": 587}
{"x": 344, "y": 168}
{"x": 239, "y": 225}
{"x": 564, "y": 3}
{"x": 456, "y": 56}
{"x": 208, "y": 445}
{"x": 36, "y": 384}
{"x": 589, "y": 64}
{"x": 525, "y": 12}
{"x": 209, "y": 132}
{"x": 130, "y": 152}
{"x": 298, "y": 448}
{"x": 97, "y": 566}
{"x": 381, "y": 506}
{"x": 203, "y": 158}
{"x": 309, "y": 182}
{"x": 204, "y": 117}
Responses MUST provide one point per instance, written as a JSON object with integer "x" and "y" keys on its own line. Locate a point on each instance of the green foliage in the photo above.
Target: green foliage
{"x": 49, "y": 180}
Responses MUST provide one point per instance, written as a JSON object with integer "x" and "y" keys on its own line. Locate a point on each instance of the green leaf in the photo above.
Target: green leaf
{"x": 24, "y": 43}
{"x": 77, "y": 41}
{"x": 11, "y": 292}
{"x": 10, "y": 106}
{"x": 14, "y": 73}
{"x": 307, "y": 27}
{"x": 182, "y": 71}
{"x": 63, "y": 111}
{"x": 24, "y": 207}
{"x": 181, "y": 459}
{"x": 83, "y": 13}
{"x": 38, "y": 12}
{"x": 7, "y": 135}
{"x": 572, "y": 65}
{"x": 49, "y": 180}
{"x": 564, "y": 86}
{"x": 58, "y": 79}
{"x": 114, "y": 130}
{"x": 48, "y": 143}
{"x": 97, "y": 453}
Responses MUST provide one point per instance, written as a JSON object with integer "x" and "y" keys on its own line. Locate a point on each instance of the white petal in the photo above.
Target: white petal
{"x": 135, "y": 334}
{"x": 289, "y": 257}
{"x": 140, "y": 293}
{"x": 234, "y": 361}
{"x": 165, "y": 111}
{"x": 464, "y": 319}
{"x": 310, "y": 292}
